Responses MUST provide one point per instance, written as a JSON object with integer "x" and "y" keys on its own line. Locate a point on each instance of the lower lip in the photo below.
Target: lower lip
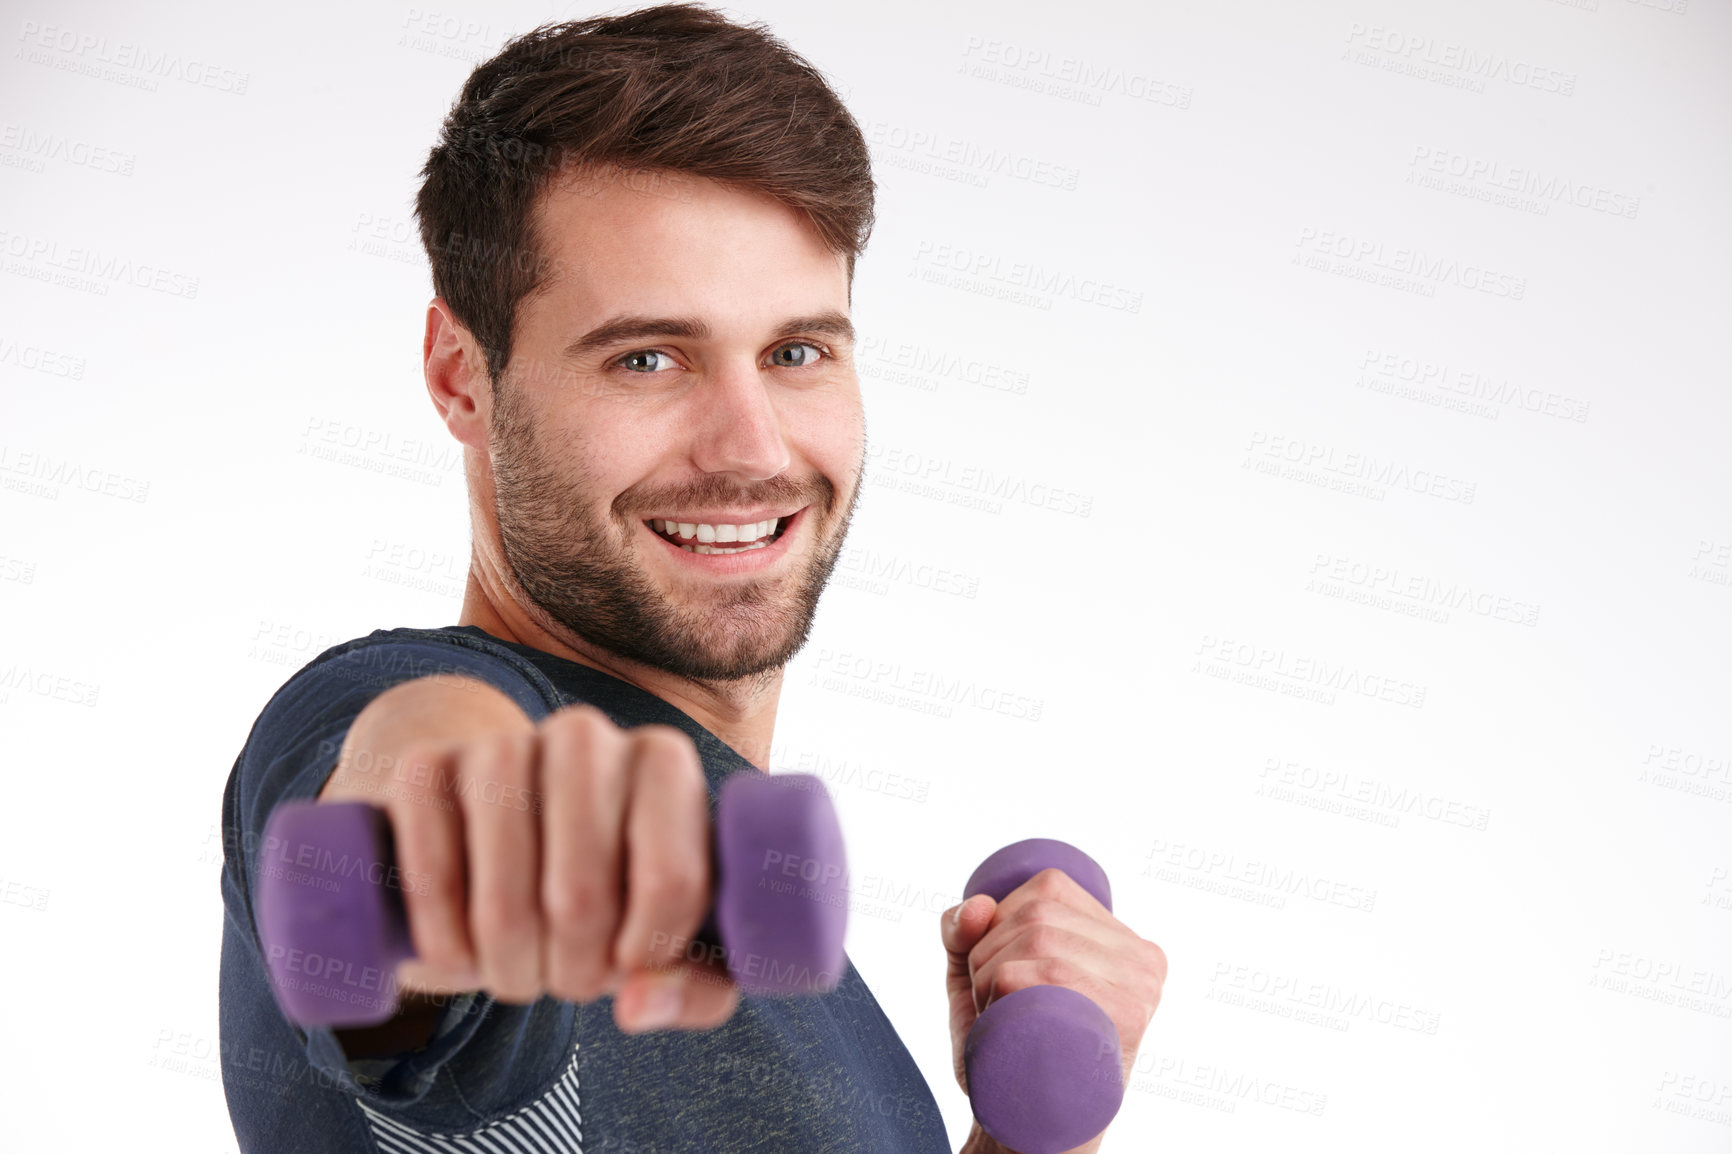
{"x": 750, "y": 561}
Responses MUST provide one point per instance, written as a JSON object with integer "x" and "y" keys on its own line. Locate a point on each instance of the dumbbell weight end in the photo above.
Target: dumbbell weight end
{"x": 333, "y": 927}
{"x": 1043, "y": 1063}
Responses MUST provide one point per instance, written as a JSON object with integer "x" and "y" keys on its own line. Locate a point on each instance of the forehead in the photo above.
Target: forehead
{"x": 631, "y": 239}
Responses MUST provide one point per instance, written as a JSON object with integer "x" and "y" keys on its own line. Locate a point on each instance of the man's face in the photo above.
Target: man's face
{"x": 731, "y": 400}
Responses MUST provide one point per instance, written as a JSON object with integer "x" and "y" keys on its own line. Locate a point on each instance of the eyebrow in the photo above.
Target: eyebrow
{"x": 635, "y": 327}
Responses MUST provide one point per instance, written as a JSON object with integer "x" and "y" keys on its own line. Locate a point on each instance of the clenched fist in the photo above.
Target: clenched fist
{"x": 569, "y": 858}
{"x": 1048, "y": 931}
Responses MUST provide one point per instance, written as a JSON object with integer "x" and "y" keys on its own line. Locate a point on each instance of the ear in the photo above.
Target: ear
{"x": 456, "y": 375}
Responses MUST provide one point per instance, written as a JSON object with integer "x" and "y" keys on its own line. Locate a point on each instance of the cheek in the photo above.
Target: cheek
{"x": 610, "y": 456}
{"x": 832, "y": 435}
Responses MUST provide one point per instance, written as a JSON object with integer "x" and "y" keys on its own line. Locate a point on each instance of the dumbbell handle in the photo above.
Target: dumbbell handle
{"x": 333, "y": 927}
{"x": 1043, "y": 1062}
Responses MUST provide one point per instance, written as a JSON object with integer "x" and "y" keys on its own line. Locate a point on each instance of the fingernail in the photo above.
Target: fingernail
{"x": 661, "y": 1005}
{"x": 956, "y": 918}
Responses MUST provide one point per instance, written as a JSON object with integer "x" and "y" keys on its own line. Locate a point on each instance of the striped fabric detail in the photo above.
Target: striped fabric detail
{"x": 549, "y": 1125}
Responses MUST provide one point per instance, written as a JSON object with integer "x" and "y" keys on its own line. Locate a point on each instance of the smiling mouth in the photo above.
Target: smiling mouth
{"x": 699, "y": 537}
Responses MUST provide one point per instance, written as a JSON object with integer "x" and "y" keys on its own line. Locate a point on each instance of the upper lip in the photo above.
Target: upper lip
{"x": 730, "y": 518}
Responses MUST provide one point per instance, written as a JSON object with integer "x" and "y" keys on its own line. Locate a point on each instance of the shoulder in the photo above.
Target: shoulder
{"x": 348, "y": 675}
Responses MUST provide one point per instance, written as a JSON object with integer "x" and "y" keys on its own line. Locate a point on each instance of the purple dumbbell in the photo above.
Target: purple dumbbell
{"x": 1043, "y": 1063}
{"x": 331, "y": 919}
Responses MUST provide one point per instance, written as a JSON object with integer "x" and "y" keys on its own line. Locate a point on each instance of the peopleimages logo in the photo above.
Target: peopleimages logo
{"x": 1416, "y": 594}
{"x": 930, "y": 475}
{"x": 106, "y": 59}
{"x": 40, "y": 146}
{"x": 1409, "y": 262}
{"x": 1355, "y": 470}
{"x": 975, "y": 160}
{"x": 1255, "y": 880}
{"x": 1386, "y": 804}
{"x": 1066, "y": 77}
{"x": 41, "y": 360}
{"x": 1416, "y": 51}
{"x": 930, "y": 363}
{"x": 1462, "y": 389}
{"x": 50, "y": 472}
{"x": 1287, "y": 994}
{"x": 926, "y": 690}
{"x": 1026, "y": 275}
{"x": 89, "y": 269}
{"x": 1545, "y": 188}
{"x": 1272, "y": 668}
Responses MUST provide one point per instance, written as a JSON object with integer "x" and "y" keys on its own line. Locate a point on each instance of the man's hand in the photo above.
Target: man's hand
{"x": 1049, "y": 931}
{"x": 569, "y": 858}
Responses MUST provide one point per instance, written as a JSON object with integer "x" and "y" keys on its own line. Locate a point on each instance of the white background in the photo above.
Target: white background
{"x": 1477, "y": 899}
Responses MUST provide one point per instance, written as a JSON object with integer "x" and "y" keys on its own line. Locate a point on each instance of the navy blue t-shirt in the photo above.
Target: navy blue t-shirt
{"x": 823, "y": 1074}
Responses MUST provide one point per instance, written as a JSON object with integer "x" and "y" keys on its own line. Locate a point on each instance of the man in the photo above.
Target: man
{"x": 643, "y": 231}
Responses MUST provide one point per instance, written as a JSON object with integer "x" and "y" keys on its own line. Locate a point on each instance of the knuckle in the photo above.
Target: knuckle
{"x": 421, "y": 750}
{"x": 984, "y": 986}
{"x": 502, "y": 922}
{"x": 1022, "y": 973}
{"x": 665, "y": 736}
{"x": 488, "y": 758}
{"x": 1036, "y": 911}
{"x": 666, "y": 751}
{"x": 581, "y": 721}
{"x": 1002, "y": 980}
{"x": 1058, "y": 971}
{"x": 572, "y": 902}
{"x": 442, "y": 892}
{"x": 443, "y": 954}
{"x": 1050, "y": 882}
{"x": 1043, "y": 940}
{"x": 507, "y": 753}
{"x": 419, "y": 772}
{"x": 432, "y": 880}
{"x": 587, "y": 757}
{"x": 676, "y": 885}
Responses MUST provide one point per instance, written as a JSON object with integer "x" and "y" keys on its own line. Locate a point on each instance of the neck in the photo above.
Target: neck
{"x": 741, "y": 713}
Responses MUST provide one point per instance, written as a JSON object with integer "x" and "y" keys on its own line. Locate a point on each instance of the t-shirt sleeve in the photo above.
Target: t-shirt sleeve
{"x": 290, "y": 754}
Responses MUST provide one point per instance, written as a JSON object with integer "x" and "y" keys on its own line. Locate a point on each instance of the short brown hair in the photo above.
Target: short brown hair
{"x": 678, "y": 88}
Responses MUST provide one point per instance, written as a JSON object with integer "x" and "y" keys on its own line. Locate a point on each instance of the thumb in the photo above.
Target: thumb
{"x": 964, "y": 925}
{"x": 961, "y": 927}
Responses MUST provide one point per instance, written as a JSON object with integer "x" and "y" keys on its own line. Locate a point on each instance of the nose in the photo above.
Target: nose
{"x": 738, "y": 427}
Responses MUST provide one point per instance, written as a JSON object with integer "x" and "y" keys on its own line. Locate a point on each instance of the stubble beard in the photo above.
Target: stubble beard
{"x": 584, "y": 574}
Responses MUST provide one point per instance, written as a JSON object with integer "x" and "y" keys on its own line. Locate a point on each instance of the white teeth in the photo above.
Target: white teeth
{"x": 716, "y": 534}
{"x": 712, "y": 549}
